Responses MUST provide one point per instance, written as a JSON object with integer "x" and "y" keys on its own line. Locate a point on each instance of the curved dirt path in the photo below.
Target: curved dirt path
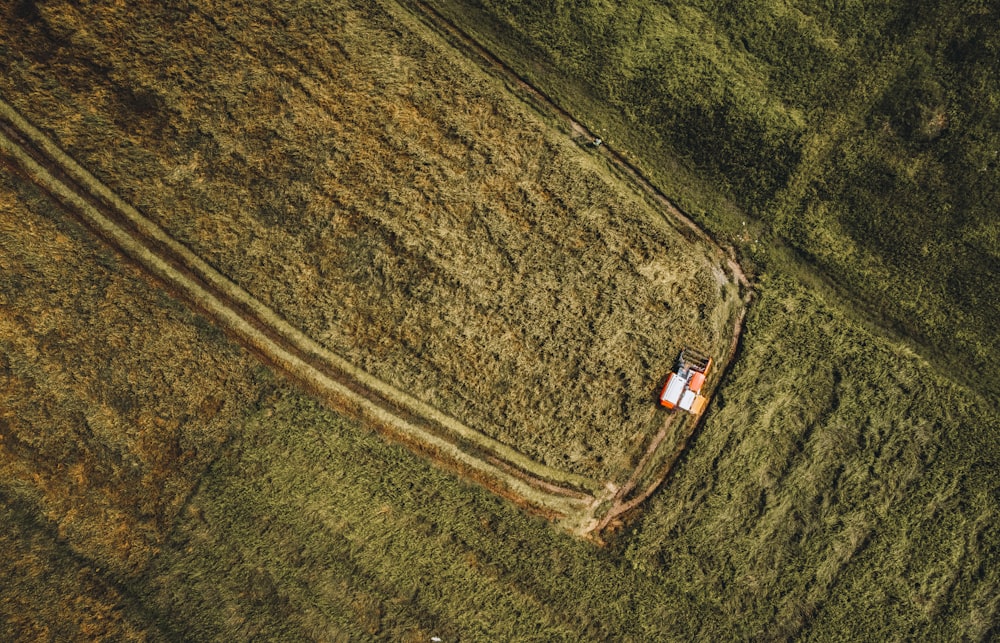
{"x": 568, "y": 498}
{"x": 651, "y": 462}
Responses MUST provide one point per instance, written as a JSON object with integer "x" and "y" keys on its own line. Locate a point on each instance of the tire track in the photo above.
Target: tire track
{"x": 567, "y": 498}
{"x": 652, "y": 462}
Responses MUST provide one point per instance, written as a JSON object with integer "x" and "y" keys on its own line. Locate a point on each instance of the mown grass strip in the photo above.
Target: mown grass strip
{"x": 287, "y": 347}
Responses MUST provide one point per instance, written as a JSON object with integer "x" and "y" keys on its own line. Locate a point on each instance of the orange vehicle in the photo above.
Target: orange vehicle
{"x": 683, "y": 386}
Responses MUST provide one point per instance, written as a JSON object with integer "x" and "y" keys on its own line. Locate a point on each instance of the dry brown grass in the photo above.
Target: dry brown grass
{"x": 396, "y": 205}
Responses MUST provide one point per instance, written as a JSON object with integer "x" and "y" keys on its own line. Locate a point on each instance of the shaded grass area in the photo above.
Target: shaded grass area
{"x": 392, "y": 201}
{"x": 313, "y": 528}
{"x": 813, "y": 506}
{"x": 51, "y": 594}
{"x": 287, "y": 540}
{"x": 854, "y": 474}
{"x": 902, "y": 208}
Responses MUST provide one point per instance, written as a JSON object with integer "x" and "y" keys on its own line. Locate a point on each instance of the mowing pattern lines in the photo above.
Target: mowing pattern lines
{"x": 500, "y": 468}
{"x": 408, "y": 260}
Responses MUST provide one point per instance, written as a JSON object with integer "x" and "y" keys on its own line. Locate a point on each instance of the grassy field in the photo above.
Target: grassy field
{"x": 814, "y": 507}
{"x": 843, "y": 484}
{"x": 52, "y": 594}
{"x": 115, "y": 397}
{"x": 113, "y": 401}
{"x": 397, "y": 205}
{"x": 865, "y": 137}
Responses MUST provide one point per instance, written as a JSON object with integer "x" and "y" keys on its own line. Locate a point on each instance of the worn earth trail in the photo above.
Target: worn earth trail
{"x": 568, "y": 498}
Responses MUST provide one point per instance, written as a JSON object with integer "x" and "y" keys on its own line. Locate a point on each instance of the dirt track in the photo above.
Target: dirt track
{"x": 327, "y": 374}
{"x": 554, "y": 493}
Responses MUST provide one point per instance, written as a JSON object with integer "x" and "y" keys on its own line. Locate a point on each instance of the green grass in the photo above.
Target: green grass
{"x": 865, "y": 138}
{"x": 843, "y": 485}
{"x": 854, "y": 476}
{"x": 840, "y": 433}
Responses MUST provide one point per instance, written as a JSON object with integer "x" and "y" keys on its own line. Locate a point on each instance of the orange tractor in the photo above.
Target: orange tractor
{"x": 683, "y": 387}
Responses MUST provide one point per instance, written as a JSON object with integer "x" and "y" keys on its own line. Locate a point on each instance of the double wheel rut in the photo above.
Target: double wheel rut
{"x": 583, "y": 505}
{"x": 568, "y": 498}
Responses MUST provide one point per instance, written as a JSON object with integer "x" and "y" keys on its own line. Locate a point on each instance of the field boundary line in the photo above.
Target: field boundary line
{"x": 561, "y": 495}
{"x": 652, "y": 461}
